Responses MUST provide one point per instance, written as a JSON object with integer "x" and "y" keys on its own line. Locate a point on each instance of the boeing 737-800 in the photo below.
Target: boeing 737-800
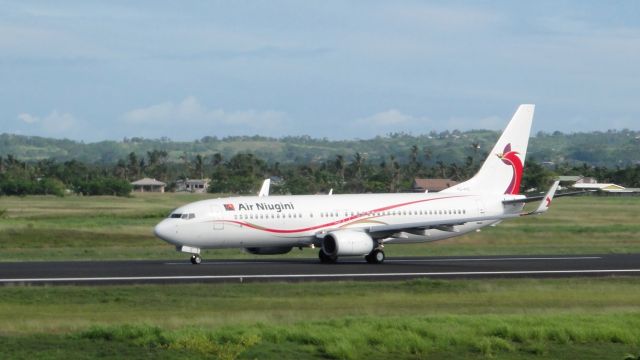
{"x": 361, "y": 224}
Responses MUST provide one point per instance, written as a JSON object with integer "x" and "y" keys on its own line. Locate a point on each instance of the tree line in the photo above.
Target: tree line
{"x": 610, "y": 148}
{"x": 243, "y": 173}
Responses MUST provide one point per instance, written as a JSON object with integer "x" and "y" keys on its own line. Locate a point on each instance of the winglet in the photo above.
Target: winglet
{"x": 330, "y": 192}
{"x": 546, "y": 201}
{"x": 264, "y": 190}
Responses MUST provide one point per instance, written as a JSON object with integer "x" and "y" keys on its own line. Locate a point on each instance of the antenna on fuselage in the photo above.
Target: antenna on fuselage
{"x": 264, "y": 190}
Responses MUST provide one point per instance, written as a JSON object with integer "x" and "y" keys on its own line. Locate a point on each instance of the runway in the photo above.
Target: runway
{"x": 212, "y": 271}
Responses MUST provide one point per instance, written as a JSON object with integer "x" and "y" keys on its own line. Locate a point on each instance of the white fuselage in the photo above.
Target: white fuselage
{"x": 360, "y": 224}
{"x": 299, "y": 220}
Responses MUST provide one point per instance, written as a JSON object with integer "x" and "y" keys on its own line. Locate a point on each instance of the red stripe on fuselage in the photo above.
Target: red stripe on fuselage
{"x": 337, "y": 222}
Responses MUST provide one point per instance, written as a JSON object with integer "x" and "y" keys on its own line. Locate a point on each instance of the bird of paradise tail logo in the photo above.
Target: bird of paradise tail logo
{"x": 512, "y": 158}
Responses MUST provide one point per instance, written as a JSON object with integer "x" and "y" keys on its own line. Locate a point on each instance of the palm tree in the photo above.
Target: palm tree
{"x": 198, "y": 166}
{"x": 358, "y": 160}
{"x": 340, "y": 167}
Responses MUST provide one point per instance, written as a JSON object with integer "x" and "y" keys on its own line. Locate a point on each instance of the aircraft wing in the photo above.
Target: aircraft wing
{"x": 378, "y": 231}
{"x": 449, "y": 224}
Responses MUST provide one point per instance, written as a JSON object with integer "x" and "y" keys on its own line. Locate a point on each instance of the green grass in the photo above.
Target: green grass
{"x": 100, "y": 228}
{"x": 505, "y": 319}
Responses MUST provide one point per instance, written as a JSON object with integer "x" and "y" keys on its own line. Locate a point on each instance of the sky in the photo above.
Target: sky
{"x": 105, "y": 70}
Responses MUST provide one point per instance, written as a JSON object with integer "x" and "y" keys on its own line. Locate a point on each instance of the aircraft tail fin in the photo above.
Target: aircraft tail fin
{"x": 501, "y": 172}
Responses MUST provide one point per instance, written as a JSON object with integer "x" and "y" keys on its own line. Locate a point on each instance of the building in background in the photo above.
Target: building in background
{"x": 148, "y": 185}
{"x": 193, "y": 185}
{"x": 432, "y": 185}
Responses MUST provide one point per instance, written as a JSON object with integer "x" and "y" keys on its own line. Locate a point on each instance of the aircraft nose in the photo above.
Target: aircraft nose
{"x": 166, "y": 231}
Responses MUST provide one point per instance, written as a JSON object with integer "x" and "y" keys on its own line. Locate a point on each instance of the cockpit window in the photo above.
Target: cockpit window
{"x": 184, "y": 216}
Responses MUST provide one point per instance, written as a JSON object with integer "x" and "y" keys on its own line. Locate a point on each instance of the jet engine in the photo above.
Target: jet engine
{"x": 268, "y": 250}
{"x": 347, "y": 243}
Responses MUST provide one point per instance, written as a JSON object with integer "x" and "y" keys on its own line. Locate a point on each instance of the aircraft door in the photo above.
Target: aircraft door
{"x": 481, "y": 209}
{"x": 217, "y": 216}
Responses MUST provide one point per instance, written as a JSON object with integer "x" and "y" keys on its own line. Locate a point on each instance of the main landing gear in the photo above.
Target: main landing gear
{"x": 196, "y": 259}
{"x": 375, "y": 257}
{"x": 326, "y": 259}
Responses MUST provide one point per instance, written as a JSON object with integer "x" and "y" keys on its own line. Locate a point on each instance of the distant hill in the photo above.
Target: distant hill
{"x": 611, "y": 148}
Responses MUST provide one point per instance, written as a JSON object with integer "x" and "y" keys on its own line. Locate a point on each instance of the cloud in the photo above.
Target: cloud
{"x": 388, "y": 121}
{"x": 492, "y": 122}
{"x": 395, "y": 121}
{"x": 54, "y": 123}
{"x": 391, "y": 117}
{"x": 172, "y": 117}
{"x": 28, "y": 118}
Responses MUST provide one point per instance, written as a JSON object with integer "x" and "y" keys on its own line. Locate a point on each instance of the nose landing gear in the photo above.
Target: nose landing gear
{"x": 196, "y": 259}
{"x": 194, "y": 251}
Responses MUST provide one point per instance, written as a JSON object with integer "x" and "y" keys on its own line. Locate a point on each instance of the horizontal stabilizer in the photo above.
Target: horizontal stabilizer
{"x": 546, "y": 200}
{"x": 540, "y": 197}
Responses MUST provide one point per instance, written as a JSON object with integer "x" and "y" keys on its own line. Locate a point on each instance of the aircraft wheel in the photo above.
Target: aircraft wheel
{"x": 375, "y": 257}
{"x": 196, "y": 259}
{"x": 326, "y": 259}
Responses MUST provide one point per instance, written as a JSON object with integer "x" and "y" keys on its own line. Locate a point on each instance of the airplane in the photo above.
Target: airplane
{"x": 361, "y": 224}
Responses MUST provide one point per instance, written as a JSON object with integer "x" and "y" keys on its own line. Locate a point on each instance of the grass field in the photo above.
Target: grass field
{"x": 78, "y": 228}
{"x": 503, "y": 319}
{"x": 583, "y": 318}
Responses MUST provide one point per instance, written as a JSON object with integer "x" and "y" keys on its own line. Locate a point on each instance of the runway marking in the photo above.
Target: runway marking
{"x": 249, "y": 262}
{"x": 499, "y": 259}
{"x": 246, "y": 262}
{"x": 320, "y": 276}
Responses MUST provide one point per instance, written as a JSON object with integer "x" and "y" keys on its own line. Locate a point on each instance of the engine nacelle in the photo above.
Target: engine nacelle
{"x": 347, "y": 243}
{"x": 268, "y": 250}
